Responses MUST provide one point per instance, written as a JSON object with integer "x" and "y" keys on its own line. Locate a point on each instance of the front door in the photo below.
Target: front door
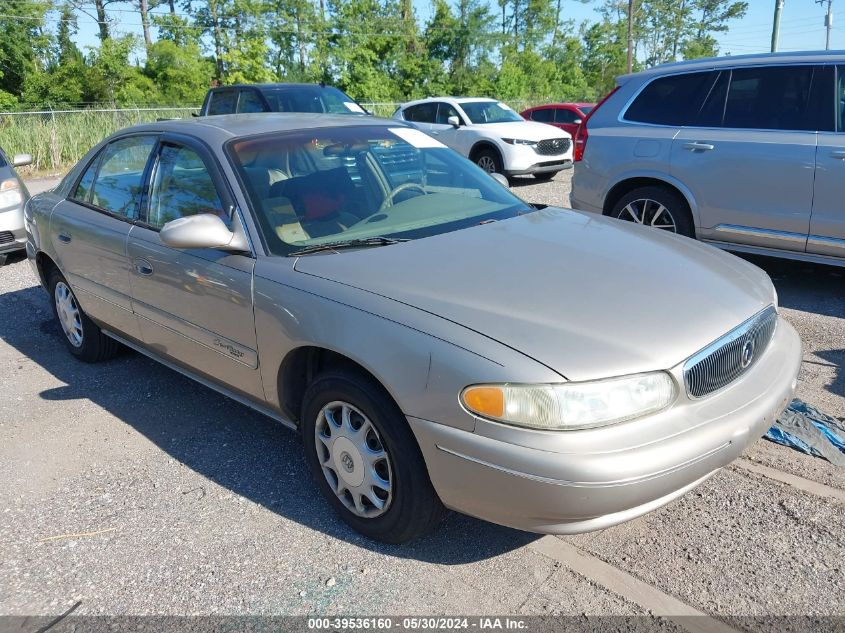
{"x": 827, "y": 224}
{"x": 194, "y": 306}
{"x": 751, "y": 171}
{"x": 89, "y": 231}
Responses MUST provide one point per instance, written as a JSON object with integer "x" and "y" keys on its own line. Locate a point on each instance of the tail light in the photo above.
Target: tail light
{"x": 581, "y": 134}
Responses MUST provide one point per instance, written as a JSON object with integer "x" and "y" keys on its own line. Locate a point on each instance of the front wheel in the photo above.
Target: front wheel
{"x": 365, "y": 459}
{"x": 489, "y": 161}
{"x": 656, "y": 207}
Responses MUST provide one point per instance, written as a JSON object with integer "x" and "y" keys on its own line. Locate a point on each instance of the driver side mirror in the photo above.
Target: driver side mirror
{"x": 454, "y": 121}
{"x": 577, "y": 122}
{"x": 21, "y": 160}
{"x": 203, "y": 231}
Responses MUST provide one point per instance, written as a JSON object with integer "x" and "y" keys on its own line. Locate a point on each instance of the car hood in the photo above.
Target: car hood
{"x": 587, "y": 296}
{"x": 526, "y": 130}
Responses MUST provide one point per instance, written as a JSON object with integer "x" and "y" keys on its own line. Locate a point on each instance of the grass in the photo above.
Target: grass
{"x": 57, "y": 141}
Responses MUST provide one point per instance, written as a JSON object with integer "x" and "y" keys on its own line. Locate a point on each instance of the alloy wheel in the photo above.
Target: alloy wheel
{"x": 648, "y": 213}
{"x": 354, "y": 460}
{"x": 487, "y": 164}
{"x": 70, "y": 317}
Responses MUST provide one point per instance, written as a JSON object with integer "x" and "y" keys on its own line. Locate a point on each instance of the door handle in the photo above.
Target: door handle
{"x": 143, "y": 267}
{"x": 697, "y": 146}
{"x": 64, "y": 238}
{"x": 840, "y": 154}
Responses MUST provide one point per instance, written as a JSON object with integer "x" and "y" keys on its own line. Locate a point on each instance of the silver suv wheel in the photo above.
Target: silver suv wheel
{"x": 649, "y": 213}
{"x": 69, "y": 315}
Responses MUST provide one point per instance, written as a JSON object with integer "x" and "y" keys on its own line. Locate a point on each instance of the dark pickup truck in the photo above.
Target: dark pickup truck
{"x": 243, "y": 98}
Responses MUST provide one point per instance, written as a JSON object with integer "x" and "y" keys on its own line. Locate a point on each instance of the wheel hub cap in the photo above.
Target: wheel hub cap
{"x": 649, "y": 213}
{"x": 353, "y": 459}
{"x": 70, "y": 317}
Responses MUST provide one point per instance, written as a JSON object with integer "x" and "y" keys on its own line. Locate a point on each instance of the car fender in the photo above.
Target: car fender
{"x": 664, "y": 177}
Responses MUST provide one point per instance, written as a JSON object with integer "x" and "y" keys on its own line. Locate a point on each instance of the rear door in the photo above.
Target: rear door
{"x": 749, "y": 157}
{"x": 421, "y": 115}
{"x": 194, "y": 306}
{"x": 89, "y": 231}
{"x": 827, "y": 223}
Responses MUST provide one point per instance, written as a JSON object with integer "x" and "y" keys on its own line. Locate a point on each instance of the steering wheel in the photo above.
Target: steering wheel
{"x": 388, "y": 199}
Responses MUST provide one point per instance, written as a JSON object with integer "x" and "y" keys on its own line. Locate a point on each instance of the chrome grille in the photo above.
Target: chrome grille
{"x": 553, "y": 146}
{"x": 727, "y": 358}
{"x": 6, "y": 237}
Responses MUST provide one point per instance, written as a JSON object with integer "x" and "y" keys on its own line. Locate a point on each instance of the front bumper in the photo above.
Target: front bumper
{"x": 579, "y": 481}
{"x": 12, "y": 232}
{"x": 522, "y": 160}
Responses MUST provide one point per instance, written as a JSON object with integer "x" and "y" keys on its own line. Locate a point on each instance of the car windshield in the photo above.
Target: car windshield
{"x": 489, "y": 112}
{"x": 333, "y": 185}
{"x": 311, "y": 99}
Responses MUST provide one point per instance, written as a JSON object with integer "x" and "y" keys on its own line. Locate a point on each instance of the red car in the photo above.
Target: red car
{"x": 566, "y": 116}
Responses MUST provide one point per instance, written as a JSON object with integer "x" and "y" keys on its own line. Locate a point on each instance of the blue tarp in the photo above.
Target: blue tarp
{"x": 810, "y": 431}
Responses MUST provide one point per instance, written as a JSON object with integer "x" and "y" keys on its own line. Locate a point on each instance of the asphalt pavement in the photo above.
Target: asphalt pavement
{"x": 132, "y": 490}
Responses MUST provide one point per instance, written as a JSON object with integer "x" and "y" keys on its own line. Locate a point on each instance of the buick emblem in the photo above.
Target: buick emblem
{"x": 347, "y": 461}
{"x": 747, "y": 353}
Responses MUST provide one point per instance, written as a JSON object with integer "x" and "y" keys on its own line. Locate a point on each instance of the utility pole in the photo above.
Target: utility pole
{"x": 776, "y": 25}
{"x": 828, "y": 21}
{"x": 630, "y": 35}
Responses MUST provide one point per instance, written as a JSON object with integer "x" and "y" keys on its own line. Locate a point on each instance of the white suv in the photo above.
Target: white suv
{"x": 492, "y": 135}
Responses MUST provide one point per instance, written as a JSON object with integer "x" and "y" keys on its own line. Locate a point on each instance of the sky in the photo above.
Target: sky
{"x": 802, "y": 24}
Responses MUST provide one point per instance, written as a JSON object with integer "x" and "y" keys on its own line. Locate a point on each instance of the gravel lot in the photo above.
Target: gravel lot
{"x": 132, "y": 490}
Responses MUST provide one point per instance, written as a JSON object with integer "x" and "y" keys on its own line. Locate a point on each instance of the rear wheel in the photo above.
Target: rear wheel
{"x": 365, "y": 459}
{"x": 489, "y": 160}
{"x": 656, "y": 207}
{"x": 83, "y": 337}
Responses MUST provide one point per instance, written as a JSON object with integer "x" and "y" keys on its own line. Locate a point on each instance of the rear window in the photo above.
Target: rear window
{"x": 771, "y": 98}
{"x": 222, "y": 102}
{"x": 310, "y": 99}
{"x": 672, "y": 100}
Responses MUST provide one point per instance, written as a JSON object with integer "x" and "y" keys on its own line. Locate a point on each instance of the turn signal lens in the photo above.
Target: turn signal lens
{"x": 572, "y": 405}
{"x": 488, "y": 401}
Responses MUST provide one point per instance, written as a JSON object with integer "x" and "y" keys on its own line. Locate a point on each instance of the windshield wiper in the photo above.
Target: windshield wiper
{"x": 358, "y": 243}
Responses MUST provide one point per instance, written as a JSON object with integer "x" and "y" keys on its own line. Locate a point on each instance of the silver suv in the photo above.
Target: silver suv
{"x": 747, "y": 153}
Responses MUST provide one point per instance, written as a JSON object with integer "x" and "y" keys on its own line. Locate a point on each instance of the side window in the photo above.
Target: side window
{"x": 421, "y": 113}
{"x": 840, "y": 99}
{"x": 181, "y": 186}
{"x": 672, "y": 100}
{"x": 565, "y": 116}
{"x": 222, "y": 102}
{"x": 83, "y": 189}
{"x": 250, "y": 101}
{"x": 117, "y": 187}
{"x": 546, "y": 115}
{"x": 771, "y": 98}
{"x": 444, "y": 111}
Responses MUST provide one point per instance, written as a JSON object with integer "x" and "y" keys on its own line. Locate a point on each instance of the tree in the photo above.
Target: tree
{"x": 24, "y": 46}
{"x": 179, "y": 71}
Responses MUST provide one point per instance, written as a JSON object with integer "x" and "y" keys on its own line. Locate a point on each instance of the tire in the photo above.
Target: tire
{"x": 86, "y": 340}
{"x": 675, "y": 217}
{"x": 548, "y": 175}
{"x": 489, "y": 160}
{"x": 411, "y": 507}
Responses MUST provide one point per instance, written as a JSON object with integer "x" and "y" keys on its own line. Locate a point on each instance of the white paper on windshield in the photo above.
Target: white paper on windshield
{"x": 416, "y": 138}
{"x": 505, "y": 106}
{"x": 353, "y": 107}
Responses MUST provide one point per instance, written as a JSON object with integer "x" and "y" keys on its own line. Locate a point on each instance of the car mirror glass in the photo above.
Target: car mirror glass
{"x": 578, "y": 121}
{"x": 501, "y": 179}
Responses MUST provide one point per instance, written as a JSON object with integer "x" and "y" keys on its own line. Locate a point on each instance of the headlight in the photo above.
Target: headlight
{"x": 572, "y": 405}
{"x": 10, "y": 193}
{"x": 519, "y": 141}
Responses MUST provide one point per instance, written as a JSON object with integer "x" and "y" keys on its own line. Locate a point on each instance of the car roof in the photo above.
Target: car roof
{"x": 272, "y": 85}
{"x": 568, "y": 104}
{"x": 453, "y": 99}
{"x": 730, "y": 61}
{"x": 222, "y": 127}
